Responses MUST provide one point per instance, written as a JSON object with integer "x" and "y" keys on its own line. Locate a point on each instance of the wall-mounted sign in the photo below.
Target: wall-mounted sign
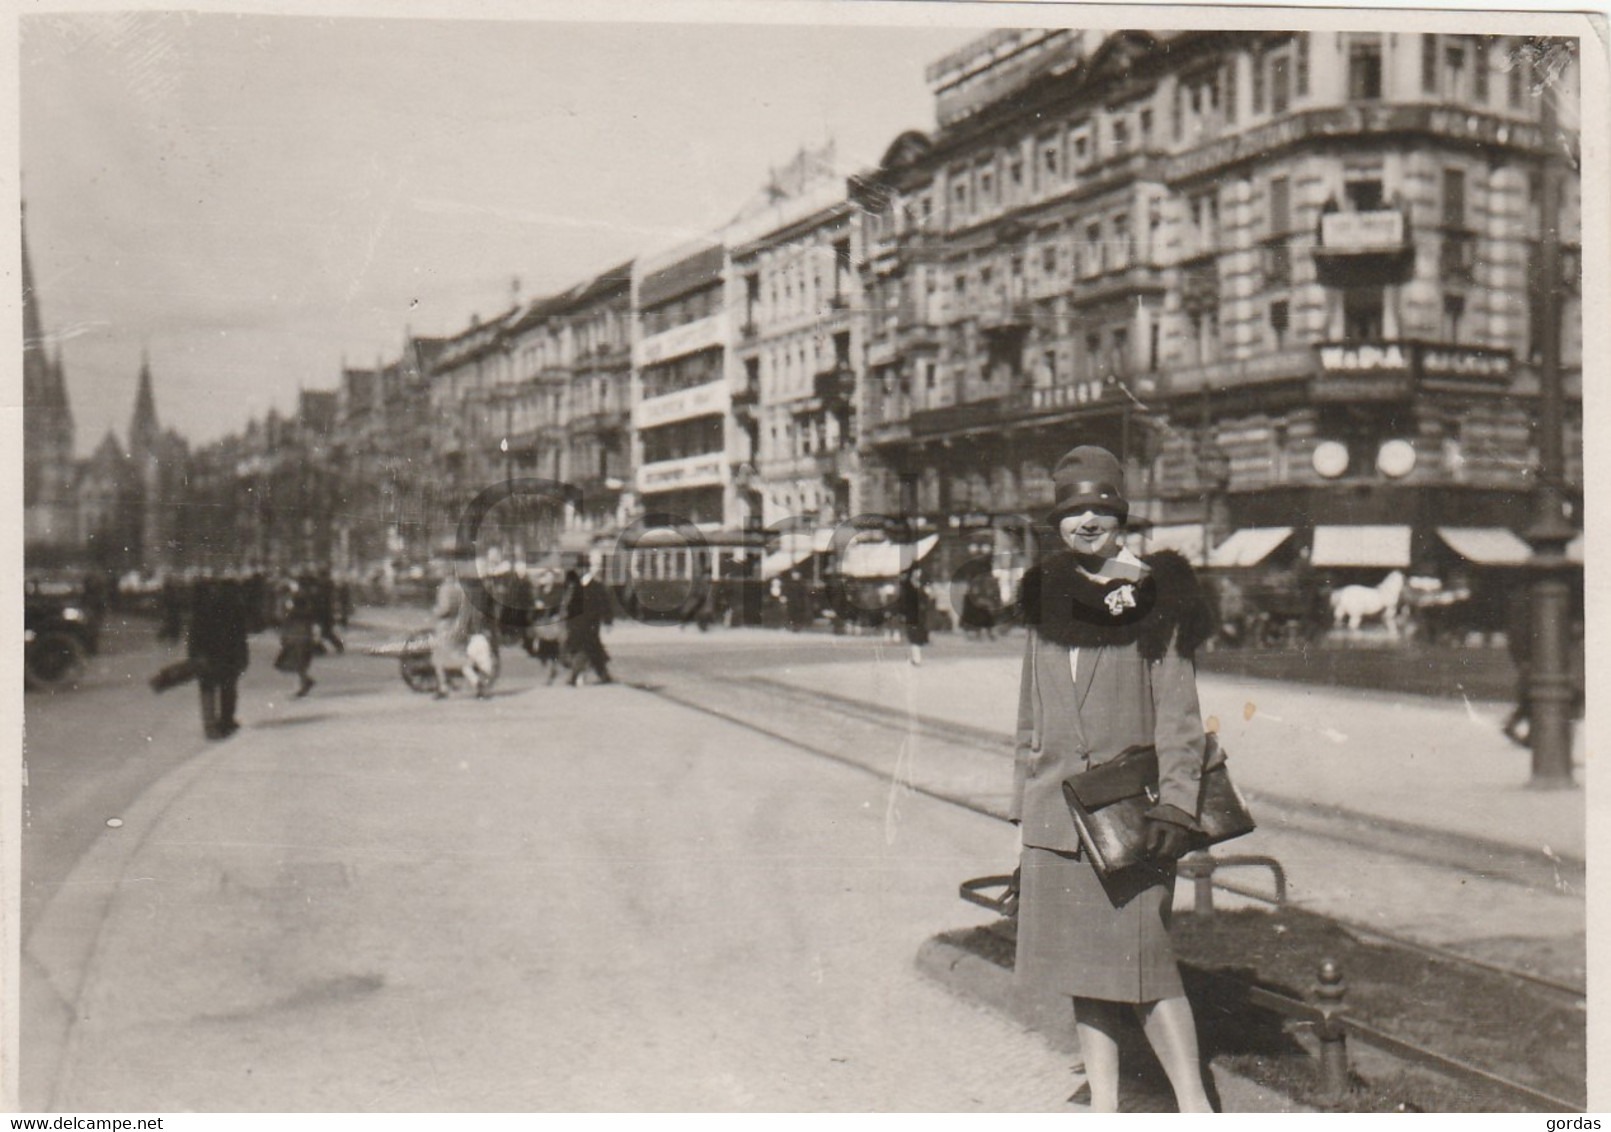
{"x": 700, "y": 334}
{"x": 690, "y": 471}
{"x": 1365, "y": 357}
{"x": 701, "y": 400}
{"x": 1464, "y": 362}
{"x": 1362, "y": 231}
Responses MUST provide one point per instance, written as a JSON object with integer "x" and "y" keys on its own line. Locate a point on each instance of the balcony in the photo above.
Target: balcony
{"x": 1006, "y": 316}
{"x": 603, "y": 422}
{"x": 749, "y": 331}
{"x": 1364, "y": 249}
{"x": 836, "y": 385}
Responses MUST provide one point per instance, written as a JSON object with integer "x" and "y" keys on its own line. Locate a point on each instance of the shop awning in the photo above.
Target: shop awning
{"x": 883, "y": 559}
{"x": 1384, "y": 546}
{"x": 783, "y": 560}
{"x": 1187, "y": 538}
{"x": 1249, "y": 546}
{"x": 1486, "y": 546}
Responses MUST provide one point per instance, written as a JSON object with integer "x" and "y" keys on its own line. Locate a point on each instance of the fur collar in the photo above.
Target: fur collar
{"x": 1070, "y": 609}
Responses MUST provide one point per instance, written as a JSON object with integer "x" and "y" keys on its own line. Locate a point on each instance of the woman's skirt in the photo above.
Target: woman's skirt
{"x": 1078, "y": 936}
{"x": 296, "y": 647}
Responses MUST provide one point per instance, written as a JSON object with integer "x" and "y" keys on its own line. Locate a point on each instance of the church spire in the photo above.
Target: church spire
{"x": 143, "y": 430}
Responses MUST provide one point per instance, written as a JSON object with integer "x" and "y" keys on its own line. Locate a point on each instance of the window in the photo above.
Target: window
{"x": 1280, "y": 206}
{"x": 961, "y": 287}
{"x": 1048, "y": 160}
{"x": 1362, "y": 314}
{"x": 1280, "y": 82}
{"x": 1454, "y": 198}
{"x": 1121, "y": 350}
{"x": 1121, "y": 135}
{"x": 1479, "y": 69}
{"x": 987, "y": 189}
{"x": 1429, "y": 64}
{"x": 1279, "y": 321}
{"x": 1364, "y": 70}
{"x": 1277, "y": 264}
{"x": 1154, "y": 339}
{"x": 1094, "y": 259}
{"x": 1230, "y": 91}
{"x": 1081, "y": 139}
{"x": 1454, "y": 70}
{"x": 1515, "y": 83}
{"x": 1093, "y": 355}
{"x": 1454, "y": 308}
{"x": 1258, "y": 81}
{"x": 1364, "y": 193}
{"x": 1121, "y": 241}
{"x": 1146, "y": 128}
{"x": 1301, "y": 69}
{"x": 1048, "y": 259}
{"x": 959, "y": 197}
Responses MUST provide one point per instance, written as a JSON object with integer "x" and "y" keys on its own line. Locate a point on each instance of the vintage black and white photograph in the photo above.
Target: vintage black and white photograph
{"x": 817, "y": 557}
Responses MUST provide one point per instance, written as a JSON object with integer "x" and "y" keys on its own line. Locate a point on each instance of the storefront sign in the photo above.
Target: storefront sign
{"x": 1368, "y": 357}
{"x": 699, "y": 401}
{"x": 690, "y": 471}
{"x": 1459, "y": 365}
{"x": 1053, "y": 397}
{"x": 1362, "y": 231}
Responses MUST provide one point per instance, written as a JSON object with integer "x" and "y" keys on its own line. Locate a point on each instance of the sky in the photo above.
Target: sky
{"x": 251, "y": 201}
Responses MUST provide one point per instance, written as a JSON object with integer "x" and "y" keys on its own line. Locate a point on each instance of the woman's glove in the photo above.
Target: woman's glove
{"x": 1168, "y": 829}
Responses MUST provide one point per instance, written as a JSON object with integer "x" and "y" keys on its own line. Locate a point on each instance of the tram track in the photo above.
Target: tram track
{"x": 838, "y": 729}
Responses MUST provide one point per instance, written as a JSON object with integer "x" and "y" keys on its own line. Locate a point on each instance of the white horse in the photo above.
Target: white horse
{"x": 1355, "y": 603}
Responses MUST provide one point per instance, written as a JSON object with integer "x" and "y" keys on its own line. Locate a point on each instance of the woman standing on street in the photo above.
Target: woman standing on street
{"x": 1108, "y": 666}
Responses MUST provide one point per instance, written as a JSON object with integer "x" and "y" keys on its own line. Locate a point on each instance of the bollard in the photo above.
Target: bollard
{"x": 1332, "y": 1034}
{"x": 1199, "y": 867}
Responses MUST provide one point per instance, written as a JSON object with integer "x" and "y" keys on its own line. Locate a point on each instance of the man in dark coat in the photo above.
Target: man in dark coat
{"x": 217, "y": 643}
{"x": 587, "y": 612}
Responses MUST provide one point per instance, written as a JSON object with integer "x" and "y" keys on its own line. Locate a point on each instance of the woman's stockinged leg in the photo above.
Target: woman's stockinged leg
{"x": 1172, "y": 1031}
{"x": 1098, "y": 1022}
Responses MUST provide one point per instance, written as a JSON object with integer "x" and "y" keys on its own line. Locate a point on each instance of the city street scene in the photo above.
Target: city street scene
{"x": 838, "y": 567}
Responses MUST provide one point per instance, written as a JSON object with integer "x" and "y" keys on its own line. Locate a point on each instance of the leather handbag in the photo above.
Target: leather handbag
{"x": 1109, "y": 804}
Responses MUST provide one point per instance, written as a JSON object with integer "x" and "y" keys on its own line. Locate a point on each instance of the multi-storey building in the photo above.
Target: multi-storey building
{"x": 598, "y": 450}
{"x": 472, "y": 418}
{"x": 796, "y": 297}
{"x": 1284, "y": 275}
{"x": 681, "y": 402}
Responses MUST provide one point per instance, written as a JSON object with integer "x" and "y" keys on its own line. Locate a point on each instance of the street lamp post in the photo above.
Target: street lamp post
{"x": 1550, "y": 691}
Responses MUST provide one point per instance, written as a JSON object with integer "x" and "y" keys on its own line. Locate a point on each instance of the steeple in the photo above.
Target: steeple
{"x": 144, "y": 431}
{"x": 44, "y": 390}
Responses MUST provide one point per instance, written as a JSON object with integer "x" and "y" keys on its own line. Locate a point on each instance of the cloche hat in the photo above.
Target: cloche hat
{"x": 1088, "y": 476}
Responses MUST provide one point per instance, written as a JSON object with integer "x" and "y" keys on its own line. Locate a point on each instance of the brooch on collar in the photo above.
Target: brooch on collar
{"x": 1120, "y": 599}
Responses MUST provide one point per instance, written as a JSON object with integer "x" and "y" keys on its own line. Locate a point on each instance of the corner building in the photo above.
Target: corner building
{"x": 1287, "y": 276}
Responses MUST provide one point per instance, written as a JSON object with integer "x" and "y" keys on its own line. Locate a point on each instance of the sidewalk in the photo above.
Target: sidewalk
{"x": 1410, "y": 761}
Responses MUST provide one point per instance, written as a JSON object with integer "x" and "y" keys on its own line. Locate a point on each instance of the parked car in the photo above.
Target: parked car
{"x": 59, "y": 635}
